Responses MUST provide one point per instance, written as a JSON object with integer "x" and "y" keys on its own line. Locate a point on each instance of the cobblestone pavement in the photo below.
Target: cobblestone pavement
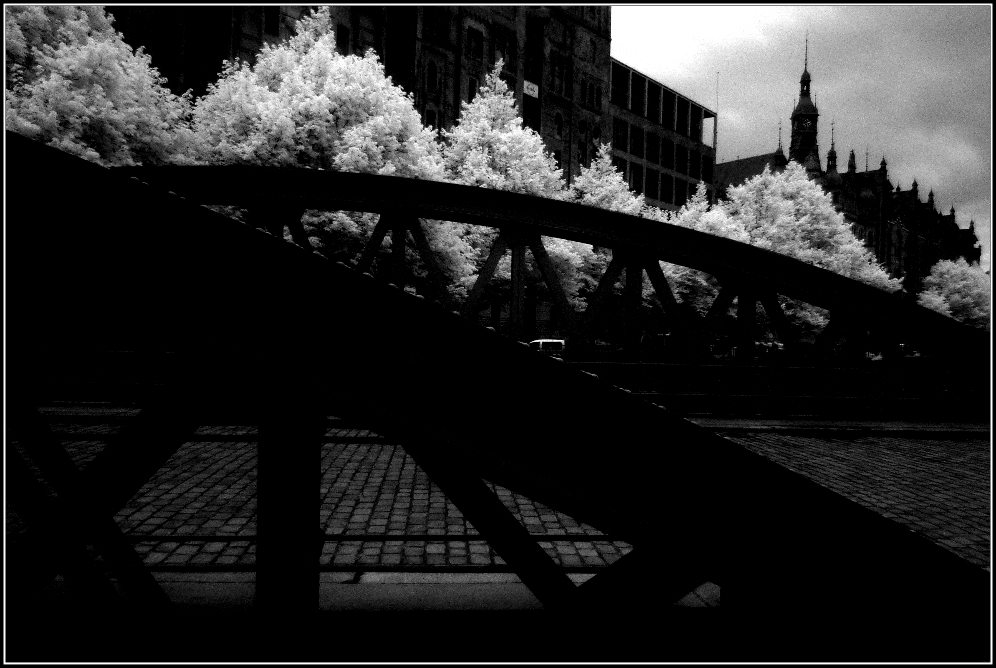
{"x": 938, "y": 487}
{"x": 200, "y": 508}
{"x": 368, "y": 486}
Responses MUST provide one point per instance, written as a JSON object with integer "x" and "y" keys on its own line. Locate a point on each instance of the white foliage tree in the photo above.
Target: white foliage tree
{"x": 790, "y": 214}
{"x": 960, "y": 290}
{"x": 489, "y": 147}
{"x": 73, "y": 83}
{"x": 303, "y": 104}
{"x": 603, "y": 186}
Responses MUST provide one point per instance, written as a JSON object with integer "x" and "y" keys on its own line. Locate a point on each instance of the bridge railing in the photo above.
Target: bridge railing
{"x": 746, "y": 273}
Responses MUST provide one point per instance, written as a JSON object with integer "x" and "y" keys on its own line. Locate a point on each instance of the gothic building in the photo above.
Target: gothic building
{"x": 907, "y": 235}
{"x": 556, "y": 60}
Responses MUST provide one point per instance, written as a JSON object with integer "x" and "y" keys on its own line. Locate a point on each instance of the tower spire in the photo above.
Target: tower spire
{"x": 866, "y": 158}
{"x": 831, "y": 134}
{"x": 779, "y": 135}
{"x": 805, "y": 62}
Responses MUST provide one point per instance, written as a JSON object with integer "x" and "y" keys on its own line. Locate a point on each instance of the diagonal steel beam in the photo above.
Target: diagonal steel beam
{"x": 498, "y": 249}
{"x": 786, "y": 332}
{"x": 38, "y": 556}
{"x": 436, "y": 274}
{"x": 109, "y": 481}
{"x": 661, "y": 287}
{"x": 596, "y": 304}
{"x": 374, "y": 242}
{"x": 497, "y": 525}
{"x": 552, "y": 280}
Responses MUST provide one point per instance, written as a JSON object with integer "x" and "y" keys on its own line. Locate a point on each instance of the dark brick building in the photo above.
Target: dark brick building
{"x": 908, "y": 235}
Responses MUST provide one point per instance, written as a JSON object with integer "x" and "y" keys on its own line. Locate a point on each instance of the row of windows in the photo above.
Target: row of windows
{"x": 635, "y": 92}
{"x": 659, "y": 150}
{"x": 654, "y": 184}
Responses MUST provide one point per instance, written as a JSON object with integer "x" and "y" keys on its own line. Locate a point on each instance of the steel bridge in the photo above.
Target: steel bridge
{"x": 221, "y": 321}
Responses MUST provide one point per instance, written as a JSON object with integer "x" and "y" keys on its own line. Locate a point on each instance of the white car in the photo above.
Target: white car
{"x": 549, "y": 346}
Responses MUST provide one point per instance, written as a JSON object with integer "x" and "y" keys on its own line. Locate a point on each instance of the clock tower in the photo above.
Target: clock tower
{"x": 804, "y": 120}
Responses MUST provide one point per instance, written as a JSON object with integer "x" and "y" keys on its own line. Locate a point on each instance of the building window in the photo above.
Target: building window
{"x": 620, "y": 164}
{"x": 681, "y": 159}
{"x": 557, "y": 74}
{"x": 680, "y": 192}
{"x": 342, "y": 39}
{"x": 472, "y": 85}
{"x": 620, "y": 135}
{"x": 667, "y": 153}
{"x": 653, "y": 102}
{"x": 558, "y": 126}
{"x": 475, "y": 43}
{"x": 667, "y": 188}
{"x": 593, "y": 49}
{"x": 638, "y": 93}
{"x": 707, "y": 168}
{"x": 667, "y": 107}
{"x": 582, "y": 152}
{"x": 696, "y": 123}
{"x": 598, "y": 96}
{"x": 682, "y": 128}
{"x": 431, "y": 77}
{"x": 652, "y": 189}
{"x": 369, "y": 34}
{"x": 620, "y": 85}
{"x": 653, "y": 148}
{"x": 430, "y": 117}
{"x": 505, "y": 50}
{"x": 636, "y": 141}
{"x": 636, "y": 178}
{"x": 694, "y": 163}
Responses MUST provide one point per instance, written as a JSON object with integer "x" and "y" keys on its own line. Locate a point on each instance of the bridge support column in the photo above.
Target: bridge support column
{"x": 290, "y": 430}
{"x": 746, "y": 326}
{"x": 633, "y": 300}
{"x": 399, "y": 237}
{"x": 517, "y": 307}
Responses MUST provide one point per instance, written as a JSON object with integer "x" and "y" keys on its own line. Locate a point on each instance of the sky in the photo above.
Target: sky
{"x": 912, "y": 83}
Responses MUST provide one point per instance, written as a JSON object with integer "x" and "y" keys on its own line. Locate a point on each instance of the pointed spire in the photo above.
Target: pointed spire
{"x": 780, "y": 150}
{"x": 866, "y": 158}
{"x": 831, "y": 135}
{"x": 852, "y": 163}
{"x": 805, "y": 62}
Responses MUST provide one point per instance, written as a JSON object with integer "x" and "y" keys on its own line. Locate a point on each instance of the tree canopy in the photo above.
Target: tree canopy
{"x": 303, "y": 104}
{"x": 960, "y": 290}
{"x": 73, "y": 83}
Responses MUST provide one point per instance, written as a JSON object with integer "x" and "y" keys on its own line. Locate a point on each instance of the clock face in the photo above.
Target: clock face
{"x": 807, "y": 124}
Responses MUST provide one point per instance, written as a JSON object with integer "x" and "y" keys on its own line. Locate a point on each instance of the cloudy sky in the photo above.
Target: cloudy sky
{"x": 913, "y": 83}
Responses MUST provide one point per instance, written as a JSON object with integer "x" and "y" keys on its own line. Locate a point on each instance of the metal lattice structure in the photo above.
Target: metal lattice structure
{"x": 134, "y": 264}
